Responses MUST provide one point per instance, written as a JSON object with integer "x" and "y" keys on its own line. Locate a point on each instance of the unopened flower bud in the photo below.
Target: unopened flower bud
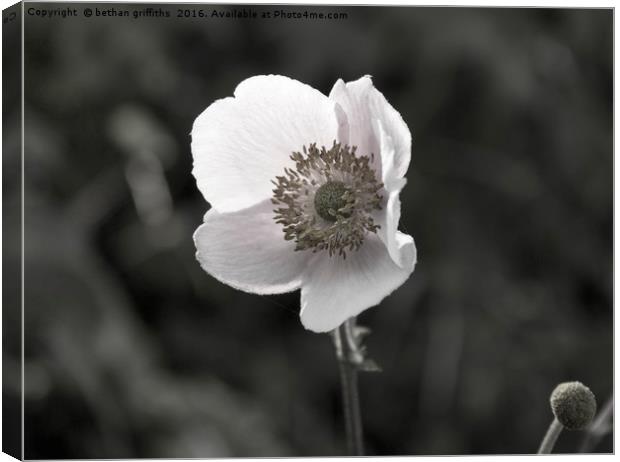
{"x": 573, "y": 404}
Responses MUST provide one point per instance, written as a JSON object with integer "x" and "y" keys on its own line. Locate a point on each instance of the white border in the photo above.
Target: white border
{"x": 479, "y": 3}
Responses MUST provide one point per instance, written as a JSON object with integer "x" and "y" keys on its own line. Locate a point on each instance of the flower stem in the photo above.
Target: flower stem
{"x": 346, "y": 349}
{"x": 602, "y": 425}
{"x": 352, "y": 414}
{"x": 550, "y": 437}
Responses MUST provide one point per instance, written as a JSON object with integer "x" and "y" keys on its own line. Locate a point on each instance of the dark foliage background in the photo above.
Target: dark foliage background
{"x": 132, "y": 350}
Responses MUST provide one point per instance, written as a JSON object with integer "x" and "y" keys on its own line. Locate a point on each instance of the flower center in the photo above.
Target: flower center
{"x": 329, "y": 199}
{"x": 325, "y": 202}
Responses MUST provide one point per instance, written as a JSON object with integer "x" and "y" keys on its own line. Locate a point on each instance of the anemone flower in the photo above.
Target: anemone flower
{"x": 304, "y": 193}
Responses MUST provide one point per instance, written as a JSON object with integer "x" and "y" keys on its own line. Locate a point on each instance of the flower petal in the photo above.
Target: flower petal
{"x": 390, "y": 176}
{"x": 400, "y": 246}
{"x": 335, "y": 289}
{"x": 246, "y": 250}
{"x": 240, "y": 144}
{"x": 363, "y": 104}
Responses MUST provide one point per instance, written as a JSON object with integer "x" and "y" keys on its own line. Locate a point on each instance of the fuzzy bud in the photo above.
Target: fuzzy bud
{"x": 573, "y": 404}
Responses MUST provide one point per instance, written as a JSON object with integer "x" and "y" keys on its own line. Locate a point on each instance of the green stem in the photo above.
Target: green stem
{"x": 350, "y": 393}
{"x": 601, "y": 426}
{"x": 351, "y": 403}
{"x": 551, "y": 437}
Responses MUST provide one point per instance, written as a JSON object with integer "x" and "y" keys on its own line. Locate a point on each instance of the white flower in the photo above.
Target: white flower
{"x": 330, "y": 225}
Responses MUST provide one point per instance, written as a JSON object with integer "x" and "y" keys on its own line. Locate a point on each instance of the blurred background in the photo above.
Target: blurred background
{"x": 131, "y": 350}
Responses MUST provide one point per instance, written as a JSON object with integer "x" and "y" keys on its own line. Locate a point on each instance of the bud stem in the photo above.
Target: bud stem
{"x": 551, "y": 437}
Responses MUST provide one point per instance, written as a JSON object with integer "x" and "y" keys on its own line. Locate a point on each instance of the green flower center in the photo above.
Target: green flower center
{"x": 329, "y": 199}
{"x": 326, "y": 201}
